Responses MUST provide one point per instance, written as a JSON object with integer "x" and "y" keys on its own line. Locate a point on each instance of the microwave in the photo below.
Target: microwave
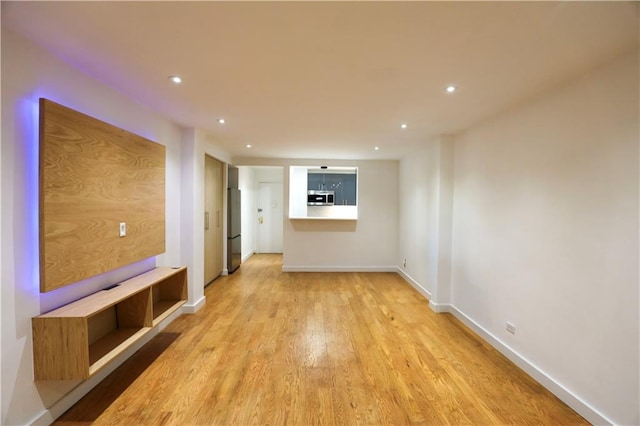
{"x": 320, "y": 198}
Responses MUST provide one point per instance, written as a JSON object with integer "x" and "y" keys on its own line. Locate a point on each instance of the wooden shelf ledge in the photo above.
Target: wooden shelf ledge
{"x": 76, "y": 340}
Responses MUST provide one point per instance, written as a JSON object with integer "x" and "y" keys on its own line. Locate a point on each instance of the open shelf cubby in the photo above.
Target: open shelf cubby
{"x": 168, "y": 294}
{"x": 75, "y": 341}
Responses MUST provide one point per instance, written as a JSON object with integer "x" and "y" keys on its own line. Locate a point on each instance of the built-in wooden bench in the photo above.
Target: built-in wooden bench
{"x": 76, "y": 340}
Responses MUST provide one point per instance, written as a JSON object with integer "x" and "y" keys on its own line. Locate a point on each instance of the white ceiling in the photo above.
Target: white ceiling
{"x": 329, "y": 79}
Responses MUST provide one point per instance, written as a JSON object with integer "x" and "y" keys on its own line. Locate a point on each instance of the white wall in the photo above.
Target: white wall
{"x": 545, "y": 235}
{"x": 273, "y": 174}
{"x": 298, "y": 187}
{"x": 249, "y": 193}
{"x": 424, "y": 230}
{"x": 29, "y": 73}
{"x": 368, "y": 244}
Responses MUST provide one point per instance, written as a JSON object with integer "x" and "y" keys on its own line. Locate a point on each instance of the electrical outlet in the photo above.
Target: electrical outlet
{"x": 511, "y": 328}
{"x": 123, "y": 229}
{"x": 404, "y": 263}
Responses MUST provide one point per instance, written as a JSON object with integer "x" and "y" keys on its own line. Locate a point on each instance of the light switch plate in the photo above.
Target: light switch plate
{"x": 123, "y": 229}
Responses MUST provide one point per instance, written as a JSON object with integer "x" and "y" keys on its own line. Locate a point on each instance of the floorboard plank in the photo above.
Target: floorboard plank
{"x": 317, "y": 348}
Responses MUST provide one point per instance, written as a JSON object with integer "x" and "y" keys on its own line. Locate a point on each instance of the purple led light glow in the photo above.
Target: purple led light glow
{"x": 26, "y": 221}
{"x": 61, "y": 296}
{"x": 25, "y": 197}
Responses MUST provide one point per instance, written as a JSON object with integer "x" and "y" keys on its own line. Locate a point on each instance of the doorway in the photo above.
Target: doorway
{"x": 270, "y": 217}
{"x": 213, "y": 203}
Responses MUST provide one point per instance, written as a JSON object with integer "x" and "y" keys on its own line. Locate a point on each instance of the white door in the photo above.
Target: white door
{"x": 270, "y": 217}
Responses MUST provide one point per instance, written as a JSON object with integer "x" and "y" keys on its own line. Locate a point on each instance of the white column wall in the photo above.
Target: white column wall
{"x": 192, "y": 204}
{"x": 426, "y": 190}
{"x": 247, "y": 185}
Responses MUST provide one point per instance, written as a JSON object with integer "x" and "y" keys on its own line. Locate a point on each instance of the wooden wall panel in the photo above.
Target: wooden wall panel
{"x": 93, "y": 176}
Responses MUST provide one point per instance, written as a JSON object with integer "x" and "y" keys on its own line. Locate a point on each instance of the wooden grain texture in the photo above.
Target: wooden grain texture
{"x": 112, "y": 345}
{"x": 169, "y": 295}
{"x": 101, "y": 324}
{"x": 53, "y": 352}
{"x": 93, "y": 176}
{"x": 173, "y": 288}
{"x": 77, "y": 340}
{"x": 213, "y": 204}
{"x": 310, "y": 348}
{"x": 135, "y": 311}
{"x": 163, "y": 308}
{"x": 95, "y": 302}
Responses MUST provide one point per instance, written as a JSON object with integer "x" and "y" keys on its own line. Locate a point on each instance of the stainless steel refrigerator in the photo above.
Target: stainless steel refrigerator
{"x": 234, "y": 246}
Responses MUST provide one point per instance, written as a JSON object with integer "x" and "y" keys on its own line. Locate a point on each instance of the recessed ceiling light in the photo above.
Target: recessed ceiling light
{"x": 377, "y": 148}
{"x": 248, "y": 145}
{"x": 176, "y": 79}
{"x": 403, "y": 125}
{"x": 221, "y": 120}
{"x": 451, "y": 89}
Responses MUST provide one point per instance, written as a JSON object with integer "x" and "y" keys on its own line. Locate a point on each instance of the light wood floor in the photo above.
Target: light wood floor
{"x": 308, "y": 348}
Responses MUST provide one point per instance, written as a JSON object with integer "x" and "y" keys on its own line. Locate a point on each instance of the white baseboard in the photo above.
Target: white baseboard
{"x": 339, "y": 268}
{"x": 193, "y": 308}
{"x": 439, "y": 307}
{"x": 591, "y": 414}
{"x": 247, "y": 256}
{"x": 423, "y": 291}
{"x": 581, "y": 407}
